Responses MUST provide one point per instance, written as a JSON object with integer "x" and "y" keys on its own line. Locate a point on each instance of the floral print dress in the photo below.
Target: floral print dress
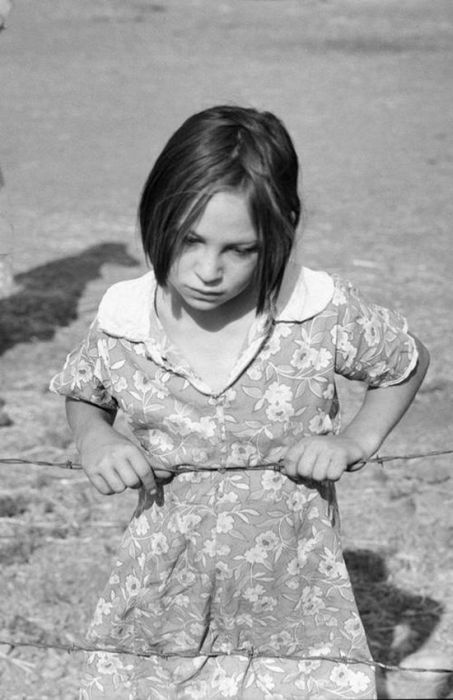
{"x": 230, "y": 582}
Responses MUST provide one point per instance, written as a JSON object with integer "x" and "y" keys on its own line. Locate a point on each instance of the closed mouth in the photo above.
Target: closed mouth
{"x": 205, "y": 293}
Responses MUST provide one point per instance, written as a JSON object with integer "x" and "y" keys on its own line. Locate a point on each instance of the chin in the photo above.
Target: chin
{"x": 204, "y": 304}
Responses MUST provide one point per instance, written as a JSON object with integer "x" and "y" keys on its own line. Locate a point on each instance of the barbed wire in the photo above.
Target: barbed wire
{"x": 250, "y": 653}
{"x": 277, "y": 466}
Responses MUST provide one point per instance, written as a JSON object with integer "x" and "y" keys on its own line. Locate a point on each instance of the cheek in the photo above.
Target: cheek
{"x": 178, "y": 268}
{"x": 244, "y": 272}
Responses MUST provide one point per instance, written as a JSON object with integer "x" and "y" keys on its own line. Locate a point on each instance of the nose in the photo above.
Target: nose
{"x": 209, "y": 268}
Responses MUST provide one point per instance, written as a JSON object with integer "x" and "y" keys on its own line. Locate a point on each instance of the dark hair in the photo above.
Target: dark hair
{"x": 218, "y": 149}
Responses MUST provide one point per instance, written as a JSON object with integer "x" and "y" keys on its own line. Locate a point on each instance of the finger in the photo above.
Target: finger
{"x": 100, "y": 484}
{"x": 321, "y": 464}
{"x": 149, "y": 481}
{"x": 292, "y": 459}
{"x": 336, "y": 469}
{"x": 143, "y": 471}
{"x": 114, "y": 481}
{"x": 127, "y": 475}
{"x": 307, "y": 461}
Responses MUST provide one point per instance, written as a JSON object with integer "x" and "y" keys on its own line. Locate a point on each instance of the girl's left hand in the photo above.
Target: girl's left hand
{"x": 322, "y": 457}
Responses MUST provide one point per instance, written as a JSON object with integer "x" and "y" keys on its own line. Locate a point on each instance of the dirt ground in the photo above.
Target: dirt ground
{"x": 90, "y": 91}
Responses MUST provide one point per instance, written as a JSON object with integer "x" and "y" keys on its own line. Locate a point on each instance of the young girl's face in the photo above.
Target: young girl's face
{"x": 218, "y": 256}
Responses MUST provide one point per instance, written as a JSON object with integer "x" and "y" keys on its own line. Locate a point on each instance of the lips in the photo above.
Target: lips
{"x": 203, "y": 293}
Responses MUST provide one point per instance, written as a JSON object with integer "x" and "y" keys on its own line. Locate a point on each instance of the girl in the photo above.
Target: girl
{"x": 230, "y": 580}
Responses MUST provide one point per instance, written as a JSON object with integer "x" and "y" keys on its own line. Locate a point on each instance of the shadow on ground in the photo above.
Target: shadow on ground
{"x": 49, "y": 294}
{"x": 397, "y": 623}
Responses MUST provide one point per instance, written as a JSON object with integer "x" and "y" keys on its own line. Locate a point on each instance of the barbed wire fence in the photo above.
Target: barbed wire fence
{"x": 278, "y": 466}
{"x": 249, "y": 653}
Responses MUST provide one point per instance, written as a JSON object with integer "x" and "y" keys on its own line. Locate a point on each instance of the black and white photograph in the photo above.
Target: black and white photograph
{"x": 226, "y": 364}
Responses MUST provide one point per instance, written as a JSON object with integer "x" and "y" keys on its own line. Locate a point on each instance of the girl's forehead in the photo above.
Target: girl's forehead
{"x": 226, "y": 212}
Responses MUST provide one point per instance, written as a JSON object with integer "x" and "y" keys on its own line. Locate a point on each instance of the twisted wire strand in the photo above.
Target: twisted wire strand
{"x": 247, "y": 653}
{"x": 278, "y": 466}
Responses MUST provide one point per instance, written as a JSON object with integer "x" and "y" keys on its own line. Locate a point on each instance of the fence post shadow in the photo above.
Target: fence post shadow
{"x": 47, "y": 296}
{"x": 397, "y": 623}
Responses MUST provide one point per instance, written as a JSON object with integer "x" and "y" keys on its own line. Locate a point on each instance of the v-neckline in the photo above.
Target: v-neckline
{"x": 177, "y": 361}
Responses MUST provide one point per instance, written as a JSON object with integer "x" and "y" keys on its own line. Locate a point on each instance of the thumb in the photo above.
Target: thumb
{"x": 148, "y": 480}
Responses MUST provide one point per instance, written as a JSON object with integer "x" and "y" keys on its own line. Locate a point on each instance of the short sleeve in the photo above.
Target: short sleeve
{"x": 372, "y": 342}
{"x": 84, "y": 375}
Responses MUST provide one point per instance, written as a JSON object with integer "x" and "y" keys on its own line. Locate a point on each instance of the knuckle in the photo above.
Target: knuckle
{"x": 105, "y": 470}
{"x": 120, "y": 450}
{"x": 132, "y": 481}
{"x": 103, "y": 464}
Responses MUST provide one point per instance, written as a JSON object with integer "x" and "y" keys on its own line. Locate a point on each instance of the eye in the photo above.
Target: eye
{"x": 191, "y": 239}
{"x": 244, "y": 252}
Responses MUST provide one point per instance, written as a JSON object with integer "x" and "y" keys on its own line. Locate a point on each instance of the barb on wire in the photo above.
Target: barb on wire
{"x": 277, "y": 466}
{"x": 182, "y": 468}
{"x": 247, "y": 653}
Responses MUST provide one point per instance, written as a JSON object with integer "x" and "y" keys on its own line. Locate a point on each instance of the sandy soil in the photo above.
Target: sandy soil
{"x": 90, "y": 90}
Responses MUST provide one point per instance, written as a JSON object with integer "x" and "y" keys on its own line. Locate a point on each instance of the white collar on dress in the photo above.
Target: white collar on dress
{"x": 126, "y": 307}
{"x": 304, "y": 293}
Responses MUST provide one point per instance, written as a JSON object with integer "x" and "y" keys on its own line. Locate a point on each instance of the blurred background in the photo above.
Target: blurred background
{"x": 90, "y": 90}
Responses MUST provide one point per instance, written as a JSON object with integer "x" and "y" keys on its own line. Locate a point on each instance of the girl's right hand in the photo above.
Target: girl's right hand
{"x": 113, "y": 463}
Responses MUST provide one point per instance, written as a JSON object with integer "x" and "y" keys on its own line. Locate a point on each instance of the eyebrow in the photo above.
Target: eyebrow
{"x": 235, "y": 244}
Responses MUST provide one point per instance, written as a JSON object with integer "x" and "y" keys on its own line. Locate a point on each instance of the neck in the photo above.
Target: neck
{"x": 170, "y": 306}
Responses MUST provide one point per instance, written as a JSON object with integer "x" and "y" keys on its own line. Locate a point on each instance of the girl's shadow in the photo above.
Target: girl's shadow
{"x": 49, "y": 294}
{"x": 397, "y": 623}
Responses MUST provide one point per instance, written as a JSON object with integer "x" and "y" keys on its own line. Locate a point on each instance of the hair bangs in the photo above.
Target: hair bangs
{"x": 219, "y": 149}
{"x": 275, "y": 232}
